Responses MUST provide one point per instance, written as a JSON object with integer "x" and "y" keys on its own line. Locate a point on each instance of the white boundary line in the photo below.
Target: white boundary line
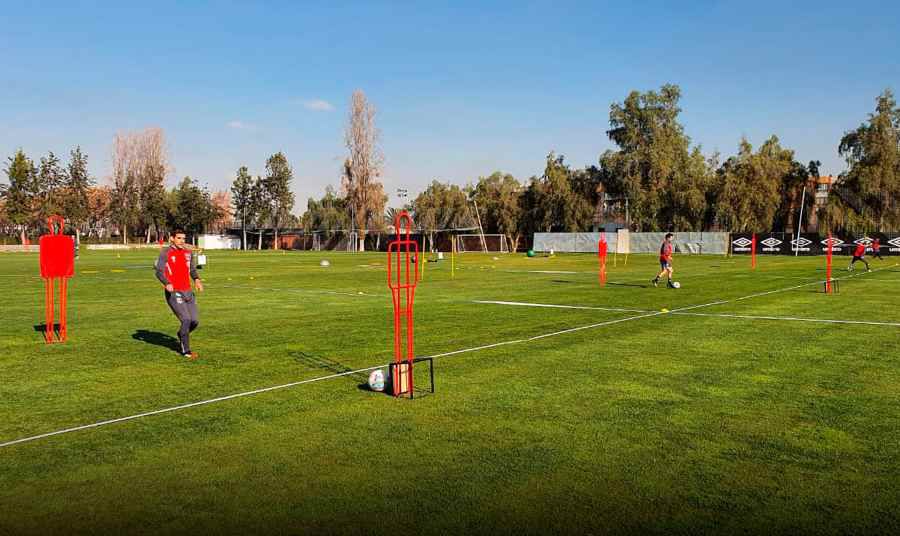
{"x": 711, "y": 315}
{"x": 554, "y": 306}
{"x": 184, "y": 406}
{"x": 293, "y": 384}
{"x": 792, "y": 318}
{"x": 347, "y": 373}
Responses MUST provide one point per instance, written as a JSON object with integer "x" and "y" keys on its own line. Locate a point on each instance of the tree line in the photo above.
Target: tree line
{"x": 654, "y": 179}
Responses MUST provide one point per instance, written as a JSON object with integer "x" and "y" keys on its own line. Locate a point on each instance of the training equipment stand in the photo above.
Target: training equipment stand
{"x": 403, "y": 275}
{"x": 57, "y": 260}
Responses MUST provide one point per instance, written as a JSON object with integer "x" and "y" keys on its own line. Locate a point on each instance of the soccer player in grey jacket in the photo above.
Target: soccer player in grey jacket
{"x": 176, "y": 269}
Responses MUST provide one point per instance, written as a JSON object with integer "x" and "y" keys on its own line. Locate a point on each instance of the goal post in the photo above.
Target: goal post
{"x": 476, "y": 243}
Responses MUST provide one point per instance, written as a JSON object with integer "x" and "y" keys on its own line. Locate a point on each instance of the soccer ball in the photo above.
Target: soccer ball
{"x": 376, "y": 380}
{"x": 676, "y": 284}
{"x": 324, "y": 263}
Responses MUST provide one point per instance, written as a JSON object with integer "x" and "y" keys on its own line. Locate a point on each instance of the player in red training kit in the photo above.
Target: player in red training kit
{"x": 175, "y": 269}
{"x": 665, "y": 261}
{"x": 859, "y": 254}
{"x": 876, "y": 249}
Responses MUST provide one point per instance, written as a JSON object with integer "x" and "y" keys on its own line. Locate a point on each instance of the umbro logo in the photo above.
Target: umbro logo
{"x": 833, "y": 242}
{"x": 866, "y": 241}
{"x": 801, "y": 242}
{"x": 771, "y": 242}
{"x": 894, "y": 242}
{"x": 744, "y": 242}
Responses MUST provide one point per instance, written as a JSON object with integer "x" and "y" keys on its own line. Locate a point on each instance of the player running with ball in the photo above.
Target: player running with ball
{"x": 665, "y": 261}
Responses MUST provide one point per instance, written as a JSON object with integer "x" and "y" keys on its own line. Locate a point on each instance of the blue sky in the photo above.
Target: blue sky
{"x": 462, "y": 88}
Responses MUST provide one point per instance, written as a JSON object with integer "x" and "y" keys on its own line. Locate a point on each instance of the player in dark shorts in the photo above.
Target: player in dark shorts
{"x": 665, "y": 261}
{"x": 859, "y": 254}
{"x": 876, "y": 249}
{"x": 175, "y": 269}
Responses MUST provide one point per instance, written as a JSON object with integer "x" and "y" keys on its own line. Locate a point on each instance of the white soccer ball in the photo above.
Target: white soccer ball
{"x": 676, "y": 284}
{"x": 324, "y": 263}
{"x": 376, "y": 380}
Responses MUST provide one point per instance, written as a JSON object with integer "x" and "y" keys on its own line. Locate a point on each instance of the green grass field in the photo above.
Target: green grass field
{"x": 660, "y": 422}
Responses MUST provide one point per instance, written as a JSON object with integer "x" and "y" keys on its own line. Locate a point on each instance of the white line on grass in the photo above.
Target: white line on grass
{"x": 293, "y": 384}
{"x": 792, "y": 318}
{"x": 347, "y": 373}
{"x": 682, "y": 312}
{"x": 525, "y": 304}
{"x": 184, "y": 406}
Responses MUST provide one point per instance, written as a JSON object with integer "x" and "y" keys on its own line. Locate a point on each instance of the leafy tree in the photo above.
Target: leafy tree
{"x": 99, "y": 216}
{"x": 499, "y": 198}
{"x": 654, "y": 167}
{"x": 441, "y": 206}
{"x": 242, "y": 200}
{"x": 278, "y": 190}
{"x": 194, "y": 209}
{"x": 50, "y": 179}
{"x": 327, "y": 215}
{"x": 751, "y": 183}
{"x": 20, "y": 196}
{"x": 76, "y": 204}
{"x": 867, "y": 193}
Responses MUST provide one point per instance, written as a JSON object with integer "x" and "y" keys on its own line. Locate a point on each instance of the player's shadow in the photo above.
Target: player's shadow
{"x": 330, "y": 365}
{"x": 157, "y": 338}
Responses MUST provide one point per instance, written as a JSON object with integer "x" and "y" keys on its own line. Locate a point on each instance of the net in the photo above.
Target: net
{"x": 489, "y": 243}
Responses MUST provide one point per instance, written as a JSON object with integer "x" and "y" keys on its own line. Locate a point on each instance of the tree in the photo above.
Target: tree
{"x": 654, "y": 167}
{"x": 78, "y": 183}
{"x": 869, "y": 189}
{"x": 327, "y": 215}
{"x": 751, "y": 184}
{"x": 20, "y": 195}
{"x": 224, "y": 216}
{"x": 277, "y": 185}
{"x": 363, "y": 167}
{"x": 50, "y": 179}
{"x": 140, "y": 164}
{"x": 99, "y": 216}
{"x": 499, "y": 197}
{"x": 242, "y": 200}
{"x": 194, "y": 209}
{"x": 563, "y": 209}
{"x": 441, "y": 206}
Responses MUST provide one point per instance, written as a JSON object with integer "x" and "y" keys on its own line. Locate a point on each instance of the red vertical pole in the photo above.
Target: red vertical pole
{"x": 828, "y": 267}
{"x": 48, "y": 316}
{"x": 753, "y": 252}
{"x": 63, "y": 284}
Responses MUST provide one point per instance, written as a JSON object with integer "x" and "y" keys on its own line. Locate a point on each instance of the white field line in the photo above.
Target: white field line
{"x": 711, "y": 315}
{"x": 525, "y": 304}
{"x": 184, "y": 406}
{"x": 293, "y": 384}
{"x": 792, "y": 318}
{"x": 331, "y": 376}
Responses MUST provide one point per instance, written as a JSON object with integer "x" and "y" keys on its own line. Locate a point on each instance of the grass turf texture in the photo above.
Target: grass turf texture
{"x": 668, "y": 423}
